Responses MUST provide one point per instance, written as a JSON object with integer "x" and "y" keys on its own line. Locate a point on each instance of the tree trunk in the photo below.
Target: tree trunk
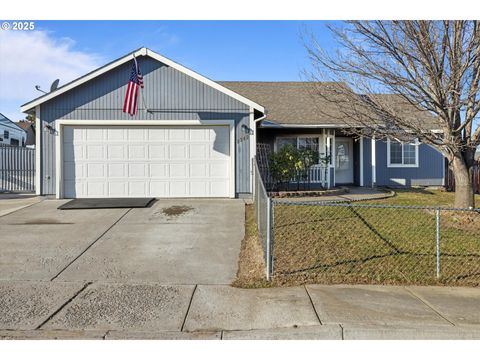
{"x": 464, "y": 196}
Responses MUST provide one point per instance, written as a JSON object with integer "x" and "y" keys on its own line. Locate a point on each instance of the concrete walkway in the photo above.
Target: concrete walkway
{"x": 13, "y": 202}
{"x": 353, "y": 194}
{"x": 101, "y": 310}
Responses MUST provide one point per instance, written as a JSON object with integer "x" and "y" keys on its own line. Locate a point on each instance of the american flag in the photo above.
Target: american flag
{"x": 136, "y": 81}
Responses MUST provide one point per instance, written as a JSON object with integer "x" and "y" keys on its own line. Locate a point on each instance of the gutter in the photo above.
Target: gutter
{"x": 261, "y": 118}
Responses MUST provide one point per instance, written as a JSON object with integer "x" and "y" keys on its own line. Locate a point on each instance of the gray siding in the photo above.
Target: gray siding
{"x": 430, "y": 169}
{"x": 171, "y": 95}
{"x": 367, "y": 162}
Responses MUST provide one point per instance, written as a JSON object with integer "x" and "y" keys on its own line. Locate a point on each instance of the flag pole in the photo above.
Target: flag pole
{"x": 141, "y": 89}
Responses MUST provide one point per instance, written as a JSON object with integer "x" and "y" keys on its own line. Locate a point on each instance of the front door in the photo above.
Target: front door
{"x": 343, "y": 160}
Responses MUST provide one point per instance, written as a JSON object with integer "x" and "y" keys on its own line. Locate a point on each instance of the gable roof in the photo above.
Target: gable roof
{"x": 288, "y": 102}
{"x": 25, "y": 125}
{"x": 4, "y": 121}
{"x": 140, "y": 52}
{"x": 294, "y": 104}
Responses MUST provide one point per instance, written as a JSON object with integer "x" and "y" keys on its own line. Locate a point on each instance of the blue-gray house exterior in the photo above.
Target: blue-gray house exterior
{"x": 295, "y": 112}
{"x": 170, "y": 94}
{"x": 174, "y": 93}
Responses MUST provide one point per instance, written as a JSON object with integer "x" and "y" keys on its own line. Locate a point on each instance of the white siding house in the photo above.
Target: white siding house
{"x": 11, "y": 133}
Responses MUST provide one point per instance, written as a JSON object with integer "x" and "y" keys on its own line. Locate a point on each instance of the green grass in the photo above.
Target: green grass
{"x": 421, "y": 197}
{"x": 315, "y": 244}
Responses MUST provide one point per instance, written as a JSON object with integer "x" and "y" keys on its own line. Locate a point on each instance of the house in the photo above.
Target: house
{"x": 193, "y": 137}
{"x": 29, "y": 128}
{"x": 295, "y": 116}
{"x": 11, "y": 133}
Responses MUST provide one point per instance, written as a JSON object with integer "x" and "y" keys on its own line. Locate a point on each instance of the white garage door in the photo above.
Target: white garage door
{"x": 138, "y": 161}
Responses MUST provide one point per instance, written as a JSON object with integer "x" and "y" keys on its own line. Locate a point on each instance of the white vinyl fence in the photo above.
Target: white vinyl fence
{"x": 17, "y": 169}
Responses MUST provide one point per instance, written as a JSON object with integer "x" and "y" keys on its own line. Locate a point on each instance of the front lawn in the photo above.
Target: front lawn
{"x": 356, "y": 244}
{"x": 421, "y": 197}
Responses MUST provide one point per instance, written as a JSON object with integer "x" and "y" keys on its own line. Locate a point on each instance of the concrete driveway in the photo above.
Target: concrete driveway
{"x": 172, "y": 242}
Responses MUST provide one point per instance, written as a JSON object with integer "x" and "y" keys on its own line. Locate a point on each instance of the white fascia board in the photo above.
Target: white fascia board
{"x": 81, "y": 80}
{"x": 141, "y": 52}
{"x": 292, "y": 126}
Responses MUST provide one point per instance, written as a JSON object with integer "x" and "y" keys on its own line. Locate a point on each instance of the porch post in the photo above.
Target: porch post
{"x": 327, "y": 152}
{"x": 374, "y": 167}
{"x": 361, "y": 161}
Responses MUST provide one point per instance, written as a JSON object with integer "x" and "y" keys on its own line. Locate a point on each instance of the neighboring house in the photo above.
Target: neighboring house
{"x": 29, "y": 128}
{"x": 11, "y": 133}
{"x": 193, "y": 137}
{"x": 295, "y": 116}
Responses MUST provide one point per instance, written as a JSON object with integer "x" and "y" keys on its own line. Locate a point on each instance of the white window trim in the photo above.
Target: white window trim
{"x": 402, "y": 165}
{"x": 296, "y": 136}
{"x": 59, "y": 124}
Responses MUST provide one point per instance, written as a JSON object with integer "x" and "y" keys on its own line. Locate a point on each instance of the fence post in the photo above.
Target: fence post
{"x": 437, "y": 216}
{"x": 269, "y": 237}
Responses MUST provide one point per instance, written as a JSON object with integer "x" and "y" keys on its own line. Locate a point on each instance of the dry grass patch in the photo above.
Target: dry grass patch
{"x": 251, "y": 264}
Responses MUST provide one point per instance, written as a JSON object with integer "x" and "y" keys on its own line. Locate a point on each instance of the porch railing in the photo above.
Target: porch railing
{"x": 316, "y": 174}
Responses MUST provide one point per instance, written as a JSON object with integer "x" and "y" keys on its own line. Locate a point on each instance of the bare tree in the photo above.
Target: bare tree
{"x": 405, "y": 80}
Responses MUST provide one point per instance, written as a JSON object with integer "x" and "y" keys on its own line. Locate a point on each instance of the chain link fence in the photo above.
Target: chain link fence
{"x": 359, "y": 243}
{"x": 263, "y": 216}
{"x": 343, "y": 242}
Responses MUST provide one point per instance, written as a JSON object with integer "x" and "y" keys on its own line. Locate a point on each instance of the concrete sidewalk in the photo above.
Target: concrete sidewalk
{"x": 13, "y": 202}
{"x": 101, "y": 310}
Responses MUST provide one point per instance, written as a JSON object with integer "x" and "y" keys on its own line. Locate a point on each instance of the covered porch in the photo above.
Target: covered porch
{"x": 340, "y": 154}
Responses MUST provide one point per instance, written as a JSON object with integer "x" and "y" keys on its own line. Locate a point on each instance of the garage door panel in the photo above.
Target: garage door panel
{"x": 137, "y": 170}
{"x": 217, "y": 188}
{"x": 198, "y": 151}
{"x": 157, "y": 152}
{"x": 178, "y": 170}
{"x": 218, "y": 169}
{"x": 137, "y": 188}
{"x": 198, "y": 188}
{"x": 199, "y": 170}
{"x": 200, "y": 134}
{"x": 136, "y": 135}
{"x": 148, "y": 161}
{"x": 158, "y": 188}
{"x": 95, "y": 152}
{"x": 95, "y": 188}
{"x": 158, "y": 170}
{"x": 95, "y": 134}
{"x": 177, "y": 134}
{"x": 156, "y": 134}
{"x": 116, "y": 152}
{"x": 137, "y": 152}
{"x": 96, "y": 170}
{"x": 178, "y": 189}
{"x": 177, "y": 152}
{"x": 116, "y": 134}
{"x": 117, "y": 170}
{"x": 117, "y": 188}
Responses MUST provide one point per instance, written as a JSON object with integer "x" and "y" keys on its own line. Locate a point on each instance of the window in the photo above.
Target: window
{"x": 6, "y": 134}
{"x": 402, "y": 154}
{"x": 286, "y": 141}
{"x": 300, "y": 143}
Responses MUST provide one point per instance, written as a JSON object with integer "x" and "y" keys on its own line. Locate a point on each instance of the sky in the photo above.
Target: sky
{"x": 220, "y": 50}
